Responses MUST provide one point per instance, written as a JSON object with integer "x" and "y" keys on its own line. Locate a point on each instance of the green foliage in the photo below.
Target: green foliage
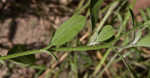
{"x": 133, "y": 17}
{"x": 106, "y": 33}
{"x": 93, "y": 38}
{"x": 145, "y": 41}
{"x": 94, "y": 10}
{"x": 68, "y": 30}
{"x": 94, "y": 61}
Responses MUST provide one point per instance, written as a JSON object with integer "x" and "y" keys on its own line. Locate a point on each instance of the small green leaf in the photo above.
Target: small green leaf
{"x": 94, "y": 10}
{"x": 29, "y": 59}
{"x": 106, "y": 33}
{"x": 133, "y": 17}
{"x": 68, "y": 30}
{"x": 145, "y": 41}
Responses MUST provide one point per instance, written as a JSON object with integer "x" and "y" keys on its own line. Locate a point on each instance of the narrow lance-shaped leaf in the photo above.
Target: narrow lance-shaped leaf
{"x": 94, "y": 10}
{"x": 145, "y": 41}
{"x": 133, "y": 17}
{"x": 106, "y": 33}
{"x": 68, "y": 30}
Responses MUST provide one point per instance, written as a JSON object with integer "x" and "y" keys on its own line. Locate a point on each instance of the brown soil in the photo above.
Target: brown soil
{"x": 31, "y": 27}
{"x": 140, "y": 4}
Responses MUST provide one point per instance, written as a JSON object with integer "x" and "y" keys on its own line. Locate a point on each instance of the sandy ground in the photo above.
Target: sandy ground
{"x": 30, "y": 29}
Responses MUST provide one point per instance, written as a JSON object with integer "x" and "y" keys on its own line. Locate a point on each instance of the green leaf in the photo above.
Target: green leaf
{"x": 94, "y": 10}
{"x": 133, "y": 17}
{"x": 145, "y": 41}
{"x": 29, "y": 59}
{"x": 106, "y": 33}
{"x": 68, "y": 30}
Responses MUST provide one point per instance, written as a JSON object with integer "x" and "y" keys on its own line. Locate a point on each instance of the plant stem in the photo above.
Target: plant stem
{"x": 80, "y": 4}
{"x": 112, "y": 60}
{"x": 82, "y": 48}
{"x": 20, "y": 54}
{"x": 98, "y": 67}
{"x": 110, "y": 11}
{"x": 119, "y": 33}
{"x": 80, "y": 10}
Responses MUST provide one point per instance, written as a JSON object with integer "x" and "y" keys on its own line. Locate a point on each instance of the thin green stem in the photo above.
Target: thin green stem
{"x": 112, "y": 60}
{"x": 128, "y": 66}
{"x": 124, "y": 24}
{"x": 80, "y": 48}
{"x": 84, "y": 48}
{"x": 83, "y": 8}
{"x": 119, "y": 33}
{"x": 80, "y": 4}
{"x": 20, "y": 54}
{"x": 98, "y": 67}
{"x": 108, "y": 52}
{"x": 110, "y": 11}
